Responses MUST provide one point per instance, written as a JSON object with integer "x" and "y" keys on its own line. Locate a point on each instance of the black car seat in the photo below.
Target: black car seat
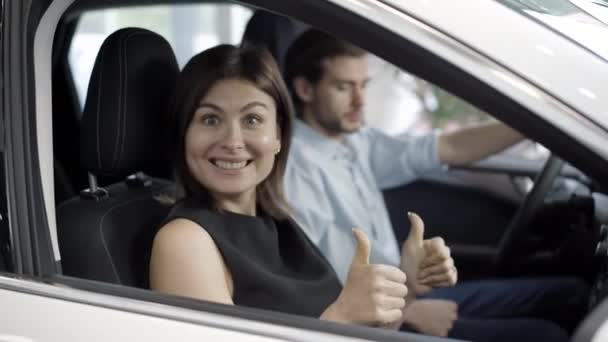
{"x": 105, "y": 233}
{"x": 272, "y": 31}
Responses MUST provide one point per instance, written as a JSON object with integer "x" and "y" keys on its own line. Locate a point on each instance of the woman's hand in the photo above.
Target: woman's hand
{"x": 431, "y": 316}
{"x": 372, "y": 294}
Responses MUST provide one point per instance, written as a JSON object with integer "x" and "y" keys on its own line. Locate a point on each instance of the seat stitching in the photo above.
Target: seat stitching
{"x": 99, "y": 166}
{"x": 120, "y": 91}
{"x": 101, "y": 233}
{"x": 125, "y": 102}
{"x": 124, "y": 96}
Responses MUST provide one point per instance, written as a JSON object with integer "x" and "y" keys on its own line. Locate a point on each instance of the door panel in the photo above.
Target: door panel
{"x": 80, "y": 314}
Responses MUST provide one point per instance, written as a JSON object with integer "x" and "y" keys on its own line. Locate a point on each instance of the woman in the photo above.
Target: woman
{"x": 230, "y": 239}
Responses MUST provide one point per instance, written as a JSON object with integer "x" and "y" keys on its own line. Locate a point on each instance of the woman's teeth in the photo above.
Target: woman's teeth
{"x": 229, "y": 165}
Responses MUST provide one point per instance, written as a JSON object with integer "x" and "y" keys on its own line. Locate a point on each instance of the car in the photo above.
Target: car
{"x": 85, "y": 174}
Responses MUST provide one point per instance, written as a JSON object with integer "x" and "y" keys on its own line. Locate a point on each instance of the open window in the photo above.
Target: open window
{"x": 436, "y": 92}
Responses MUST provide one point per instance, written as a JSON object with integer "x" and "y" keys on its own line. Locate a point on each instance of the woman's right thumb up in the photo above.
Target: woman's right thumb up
{"x": 363, "y": 248}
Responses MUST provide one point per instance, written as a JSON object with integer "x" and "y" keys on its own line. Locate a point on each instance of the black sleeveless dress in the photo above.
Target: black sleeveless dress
{"x": 274, "y": 266}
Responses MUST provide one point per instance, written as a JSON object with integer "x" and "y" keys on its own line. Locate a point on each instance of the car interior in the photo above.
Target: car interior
{"x": 502, "y": 217}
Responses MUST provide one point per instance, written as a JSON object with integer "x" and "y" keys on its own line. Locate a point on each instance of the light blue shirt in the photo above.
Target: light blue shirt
{"x": 334, "y": 187}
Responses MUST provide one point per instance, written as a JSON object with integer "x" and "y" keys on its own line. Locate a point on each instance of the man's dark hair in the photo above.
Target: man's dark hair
{"x": 305, "y": 55}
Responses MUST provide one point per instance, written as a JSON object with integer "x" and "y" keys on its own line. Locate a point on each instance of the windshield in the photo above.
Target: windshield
{"x": 595, "y": 8}
{"x": 583, "y": 21}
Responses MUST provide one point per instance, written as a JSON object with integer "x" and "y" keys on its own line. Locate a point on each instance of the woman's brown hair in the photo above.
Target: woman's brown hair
{"x": 252, "y": 64}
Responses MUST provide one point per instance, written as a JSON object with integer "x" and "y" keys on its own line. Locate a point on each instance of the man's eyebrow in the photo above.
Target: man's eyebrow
{"x": 339, "y": 80}
{"x": 253, "y": 104}
{"x": 210, "y": 105}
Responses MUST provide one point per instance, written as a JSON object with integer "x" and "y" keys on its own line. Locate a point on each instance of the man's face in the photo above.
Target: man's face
{"x": 336, "y": 104}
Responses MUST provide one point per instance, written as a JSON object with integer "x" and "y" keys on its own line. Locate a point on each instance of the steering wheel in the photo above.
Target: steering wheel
{"x": 532, "y": 202}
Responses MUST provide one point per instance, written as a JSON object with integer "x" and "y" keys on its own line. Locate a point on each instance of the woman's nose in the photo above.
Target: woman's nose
{"x": 233, "y": 137}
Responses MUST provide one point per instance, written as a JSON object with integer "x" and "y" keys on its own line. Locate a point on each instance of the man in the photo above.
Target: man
{"x": 335, "y": 174}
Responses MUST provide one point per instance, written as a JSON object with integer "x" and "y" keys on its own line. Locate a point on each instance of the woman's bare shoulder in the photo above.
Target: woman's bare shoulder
{"x": 182, "y": 232}
{"x": 182, "y": 238}
{"x": 186, "y": 261}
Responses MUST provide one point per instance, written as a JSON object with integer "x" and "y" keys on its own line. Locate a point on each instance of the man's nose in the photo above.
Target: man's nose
{"x": 233, "y": 137}
{"x": 358, "y": 96}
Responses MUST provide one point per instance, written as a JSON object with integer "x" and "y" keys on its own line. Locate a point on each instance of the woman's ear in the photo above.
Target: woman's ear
{"x": 278, "y": 148}
{"x": 303, "y": 89}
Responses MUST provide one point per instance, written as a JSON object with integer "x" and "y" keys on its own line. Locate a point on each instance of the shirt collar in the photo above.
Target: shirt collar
{"x": 321, "y": 143}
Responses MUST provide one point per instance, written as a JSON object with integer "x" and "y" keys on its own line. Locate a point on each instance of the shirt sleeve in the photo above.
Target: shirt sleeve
{"x": 397, "y": 160}
{"x": 311, "y": 211}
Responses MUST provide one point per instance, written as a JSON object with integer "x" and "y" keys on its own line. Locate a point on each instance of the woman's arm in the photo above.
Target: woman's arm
{"x": 186, "y": 262}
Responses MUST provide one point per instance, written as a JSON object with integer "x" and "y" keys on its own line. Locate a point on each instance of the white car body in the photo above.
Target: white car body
{"x": 561, "y": 81}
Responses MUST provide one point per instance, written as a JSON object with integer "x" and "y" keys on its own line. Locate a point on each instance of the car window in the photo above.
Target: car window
{"x": 398, "y": 103}
{"x": 188, "y": 28}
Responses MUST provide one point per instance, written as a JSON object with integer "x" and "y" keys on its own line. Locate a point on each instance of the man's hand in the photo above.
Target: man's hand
{"x": 427, "y": 263}
{"x": 431, "y": 316}
{"x": 437, "y": 269}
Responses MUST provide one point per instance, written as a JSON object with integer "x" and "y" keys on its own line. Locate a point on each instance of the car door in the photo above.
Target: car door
{"x": 31, "y": 199}
{"x": 36, "y": 311}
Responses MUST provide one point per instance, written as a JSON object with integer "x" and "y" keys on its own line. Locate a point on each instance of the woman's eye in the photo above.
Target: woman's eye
{"x": 253, "y": 120}
{"x": 210, "y": 120}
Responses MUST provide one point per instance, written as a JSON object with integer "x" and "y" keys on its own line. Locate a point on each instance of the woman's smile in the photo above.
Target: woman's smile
{"x": 230, "y": 166}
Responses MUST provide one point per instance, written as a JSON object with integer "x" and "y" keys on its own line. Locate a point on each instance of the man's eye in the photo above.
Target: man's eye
{"x": 342, "y": 87}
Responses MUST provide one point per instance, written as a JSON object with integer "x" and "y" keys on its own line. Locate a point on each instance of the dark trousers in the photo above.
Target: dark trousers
{"x": 525, "y": 309}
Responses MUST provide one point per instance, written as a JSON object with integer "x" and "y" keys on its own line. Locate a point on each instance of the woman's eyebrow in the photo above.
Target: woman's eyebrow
{"x": 210, "y": 105}
{"x": 253, "y": 104}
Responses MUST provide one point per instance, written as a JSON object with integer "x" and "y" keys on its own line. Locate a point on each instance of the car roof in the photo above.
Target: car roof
{"x": 564, "y": 68}
{"x": 579, "y": 20}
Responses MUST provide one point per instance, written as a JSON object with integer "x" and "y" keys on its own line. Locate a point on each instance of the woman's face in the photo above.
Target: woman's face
{"x": 232, "y": 140}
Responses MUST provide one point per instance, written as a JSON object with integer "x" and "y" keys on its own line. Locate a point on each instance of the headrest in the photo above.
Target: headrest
{"x": 272, "y": 31}
{"x": 123, "y": 128}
